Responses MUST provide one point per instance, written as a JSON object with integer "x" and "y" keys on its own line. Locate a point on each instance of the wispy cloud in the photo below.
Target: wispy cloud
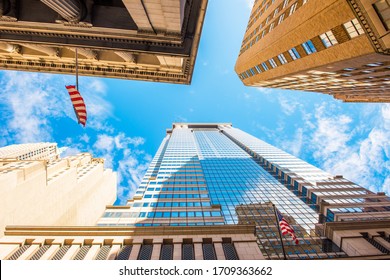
{"x": 34, "y": 105}
{"x": 366, "y": 160}
{"x": 33, "y": 102}
{"x": 28, "y": 103}
{"x": 250, "y": 3}
{"x": 130, "y": 162}
{"x": 345, "y": 139}
{"x": 265, "y": 90}
{"x": 288, "y": 105}
{"x": 294, "y": 146}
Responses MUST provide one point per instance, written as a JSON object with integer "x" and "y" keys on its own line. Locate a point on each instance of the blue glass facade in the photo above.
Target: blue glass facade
{"x": 216, "y": 174}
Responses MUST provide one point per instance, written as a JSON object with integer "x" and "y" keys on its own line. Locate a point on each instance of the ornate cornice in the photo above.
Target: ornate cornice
{"x": 368, "y": 26}
{"x": 120, "y": 72}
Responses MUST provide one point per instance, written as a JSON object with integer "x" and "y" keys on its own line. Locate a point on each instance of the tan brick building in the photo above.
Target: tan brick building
{"x": 153, "y": 40}
{"x": 338, "y": 47}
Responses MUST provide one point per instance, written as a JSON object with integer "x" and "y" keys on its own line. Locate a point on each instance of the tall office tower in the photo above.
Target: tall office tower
{"x": 153, "y": 40}
{"x": 215, "y": 175}
{"x": 338, "y": 47}
{"x": 39, "y": 188}
{"x": 30, "y": 151}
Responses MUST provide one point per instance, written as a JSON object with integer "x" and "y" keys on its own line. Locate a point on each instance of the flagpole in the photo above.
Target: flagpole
{"x": 77, "y": 80}
{"x": 77, "y": 71}
{"x": 280, "y": 234}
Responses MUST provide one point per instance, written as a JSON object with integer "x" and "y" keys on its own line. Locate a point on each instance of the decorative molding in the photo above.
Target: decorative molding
{"x": 367, "y": 26}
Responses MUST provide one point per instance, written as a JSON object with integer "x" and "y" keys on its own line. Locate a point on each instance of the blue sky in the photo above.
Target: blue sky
{"x": 127, "y": 119}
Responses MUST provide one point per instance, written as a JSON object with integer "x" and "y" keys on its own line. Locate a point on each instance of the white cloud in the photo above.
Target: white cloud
{"x": 332, "y": 133}
{"x": 342, "y": 147}
{"x": 130, "y": 174}
{"x": 34, "y": 104}
{"x": 130, "y": 162}
{"x": 84, "y": 138}
{"x": 386, "y": 186}
{"x": 70, "y": 151}
{"x": 29, "y": 103}
{"x": 107, "y": 142}
{"x": 33, "y": 101}
{"x": 288, "y": 105}
{"x": 250, "y": 3}
{"x": 295, "y": 145}
{"x": 264, "y": 90}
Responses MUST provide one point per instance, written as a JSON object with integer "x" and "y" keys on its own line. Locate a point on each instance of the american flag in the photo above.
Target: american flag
{"x": 286, "y": 228}
{"x": 78, "y": 104}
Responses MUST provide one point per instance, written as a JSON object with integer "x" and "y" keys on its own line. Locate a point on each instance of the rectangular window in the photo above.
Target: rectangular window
{"x": 285, "y": 3}
{"x": 258, "y": 69}
{"x": 353, "y": 28}
{"x": 293, "y": 8}
{"x": 276, "y": 12}
{"x": 294, "y": 54}
{"x": 265, "y": 67}
{"x": 281, "y": 18}
{"x": 309, "y": 47}
{"x": 273, "y": 63}
{"x": 271, "y": 26}
{"x": 282, "y": 58}
{"x": 328, "y": 39}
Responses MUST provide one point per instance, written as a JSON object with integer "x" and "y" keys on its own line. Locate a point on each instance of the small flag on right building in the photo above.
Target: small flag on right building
{"x": 285, "y": 227}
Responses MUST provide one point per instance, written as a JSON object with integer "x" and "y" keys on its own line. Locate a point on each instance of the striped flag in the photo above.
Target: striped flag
{"x": 285, "y": 227}
{"x": 78, "y": 104}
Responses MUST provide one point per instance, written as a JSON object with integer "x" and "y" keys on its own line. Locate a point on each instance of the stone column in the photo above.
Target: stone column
{"x": 71, "y": 10}
{"x": 71, "y": 252}
{"x": 8, "y": 250}
{"x": 92, "y": 252}
{"x": 50, "y": 252}
{"x": 138, "y": 14}
{"x": 29, "y": 252}
{"x": 219, "y": 250}
{"x": 8, "y": 10}
{"x": 177, "y": 249}
{"x": 114, "y": 251}
{"x": 135, "y": 252}
{"x": 156, "y": 249}
{"x": 198, "y": 249}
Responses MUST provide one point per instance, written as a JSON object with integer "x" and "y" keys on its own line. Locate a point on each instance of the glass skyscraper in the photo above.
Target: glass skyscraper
{"x": 215, "y": 174}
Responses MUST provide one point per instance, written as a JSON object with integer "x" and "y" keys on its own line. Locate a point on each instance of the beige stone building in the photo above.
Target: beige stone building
{"x": 337, "y": 47}
{"x": 152, "y": 40}
{"x": 229, "y": 242}
{"x": 31, "y": 151}
{"x": 42, "y": 190}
